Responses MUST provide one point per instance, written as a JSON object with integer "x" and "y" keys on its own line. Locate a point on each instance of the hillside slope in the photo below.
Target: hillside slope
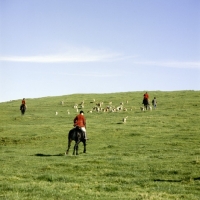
{"x": 154, "y": 155}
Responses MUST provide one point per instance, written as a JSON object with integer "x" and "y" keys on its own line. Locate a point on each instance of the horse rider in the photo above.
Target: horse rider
{"x": 80, "y": 121}
{"x": 146, "y": 96}
{"x": 146, "y": 100}
{"x": 23, "y": 103}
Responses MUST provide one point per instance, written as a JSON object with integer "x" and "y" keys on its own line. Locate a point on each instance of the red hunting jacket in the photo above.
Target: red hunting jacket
{"x": 80, "y": 121}
{"x": 23, "y": 102}
{"x": 146, "y": 96}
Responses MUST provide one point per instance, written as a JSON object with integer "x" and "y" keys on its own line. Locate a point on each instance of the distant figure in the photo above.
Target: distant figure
{"x": 146, "y": 96}
{"x": 146, "y": 100}
{"x": 23, "y": 106}
{"x": 23, "y": 101}
{"x": 154, "y": 103}
{"x": 80, "y": 121}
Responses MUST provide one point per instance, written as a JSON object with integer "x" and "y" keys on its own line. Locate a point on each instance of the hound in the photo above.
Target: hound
{"x": 124, "y": 119}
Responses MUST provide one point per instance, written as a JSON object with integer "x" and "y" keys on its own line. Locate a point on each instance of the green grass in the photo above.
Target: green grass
{"x": 154, "y": 155}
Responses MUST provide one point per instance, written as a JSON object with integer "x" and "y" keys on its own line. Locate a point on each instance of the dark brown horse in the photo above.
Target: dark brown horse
{"x": 146, "y": 103}
{"x": 78, "y": 136}
{"x": 23, "y": 109}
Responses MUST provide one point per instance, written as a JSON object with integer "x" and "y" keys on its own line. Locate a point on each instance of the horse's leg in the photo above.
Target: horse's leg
{"x": 84, "y": 144}
{"x": 23, "y": 109}
{"x": 69, "y": 144}
{"x": 76, "y": 147}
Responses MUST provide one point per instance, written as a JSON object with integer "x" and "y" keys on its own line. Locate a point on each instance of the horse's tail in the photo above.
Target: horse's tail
{"x": 80, "y": 133}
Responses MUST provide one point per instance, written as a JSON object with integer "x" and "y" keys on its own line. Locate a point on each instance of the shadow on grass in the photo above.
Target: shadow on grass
{"x": 47, "y": 155}
{"x": 170, "y": 180}
{"x": 162, "y": 180}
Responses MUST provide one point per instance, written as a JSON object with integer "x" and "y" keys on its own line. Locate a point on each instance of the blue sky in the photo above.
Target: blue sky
{"x": 60, "y": 47}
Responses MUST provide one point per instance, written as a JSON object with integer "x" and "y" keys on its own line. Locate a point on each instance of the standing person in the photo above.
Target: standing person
{"x": 154, "y": 102}
{"x": 80, "y": 121}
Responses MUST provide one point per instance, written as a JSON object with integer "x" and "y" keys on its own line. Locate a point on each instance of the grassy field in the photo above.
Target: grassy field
{"x": 154, "y": 155}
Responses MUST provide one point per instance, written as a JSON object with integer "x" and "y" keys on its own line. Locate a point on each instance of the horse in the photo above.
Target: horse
{"x": 78, "y": 136}
{"x": 146, "y": 103}
{"x": 23, "y": 109}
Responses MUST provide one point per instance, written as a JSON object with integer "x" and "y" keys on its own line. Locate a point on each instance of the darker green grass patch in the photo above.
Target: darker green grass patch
{"x": 55, "y": 178}
{"x": 107, "y": 188}
{"x": 135, "y": 134}
{"x": 46, "y": 177}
